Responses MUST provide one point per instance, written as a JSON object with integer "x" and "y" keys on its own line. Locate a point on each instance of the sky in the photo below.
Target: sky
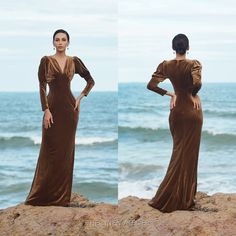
{"x": 121, "y": 40}
{"x": 26, "y": 30}
{"x": 146, "y": 30}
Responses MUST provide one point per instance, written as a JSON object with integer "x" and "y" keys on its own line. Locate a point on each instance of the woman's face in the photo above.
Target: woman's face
{"x": 60, "y": 42}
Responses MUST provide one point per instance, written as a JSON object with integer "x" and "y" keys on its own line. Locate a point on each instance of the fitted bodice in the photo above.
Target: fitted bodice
{"x": 179, "y": 73}
{"x": 185, "y": 76}
{"x": 59, "y": 81}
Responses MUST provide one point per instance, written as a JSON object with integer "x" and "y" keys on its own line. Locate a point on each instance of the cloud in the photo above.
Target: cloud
{"x": 174, "y": 8}
{"x": 26, "y": 29}
{"x": 146, "y": 29}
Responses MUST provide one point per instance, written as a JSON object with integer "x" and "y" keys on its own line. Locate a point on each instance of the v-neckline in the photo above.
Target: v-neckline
{"x": 62, "y": 71}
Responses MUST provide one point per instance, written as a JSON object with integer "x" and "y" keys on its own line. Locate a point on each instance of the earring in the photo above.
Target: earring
{"x": 173, "y": 52}
{"x": 187, "y": 52}
{"x": 67, "y": 48}
{"x": 53, "y": 48}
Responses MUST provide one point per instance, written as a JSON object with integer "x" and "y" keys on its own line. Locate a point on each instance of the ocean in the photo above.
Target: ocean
{"x": 145, "y": 142}
{"x": 96, "y": 166}
{"x": 143, "y": 145}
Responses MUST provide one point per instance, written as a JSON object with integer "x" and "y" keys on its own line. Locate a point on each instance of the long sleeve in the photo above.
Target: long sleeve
{"x": 196, "y": 76}
{"x": 157, "y": 77}
{"x": 81, "y": 69}
{"x": 43, "y": 83}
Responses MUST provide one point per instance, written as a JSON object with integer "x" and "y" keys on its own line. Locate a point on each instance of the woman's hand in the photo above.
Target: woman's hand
{"x": 196, "y": 101}
{"x": 77, "y": 102}
{"x": 172, "y": 100}
{"x": 48, "y": 119}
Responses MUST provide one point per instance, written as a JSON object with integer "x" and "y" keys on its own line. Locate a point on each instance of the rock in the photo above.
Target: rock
{"x": 214, "y": 215}
{"x": 82, "y": 217}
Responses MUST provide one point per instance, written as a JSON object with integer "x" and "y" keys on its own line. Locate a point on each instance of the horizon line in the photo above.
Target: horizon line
{"x": 214, "y": 82}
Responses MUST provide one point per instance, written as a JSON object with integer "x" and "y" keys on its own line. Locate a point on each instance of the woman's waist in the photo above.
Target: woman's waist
{"x": 184, "y": 104}
{"x": 61, "y": 97}
{"x": 183, "y": 92}
{"x": 60, "y": 93}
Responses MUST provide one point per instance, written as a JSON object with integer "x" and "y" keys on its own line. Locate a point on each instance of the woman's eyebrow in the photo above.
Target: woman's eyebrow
{"x": 59, "y": 38}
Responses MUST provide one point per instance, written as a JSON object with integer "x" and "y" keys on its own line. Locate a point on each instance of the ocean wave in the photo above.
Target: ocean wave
{"x": 147, "y": 132}
{"x": 97, "y": 188}
{"x": 140, "y": 188}
{"x": 154, "y": 111}
{"x": 216, "y": 114}
{"x": 16, "y": 141}
{"x": 29, "y": 141}
{"x": 219, "y": 138}
{"x": 140, "y": 110}
{"x": 138, "y": 170}
{"x": 94, "y": 140}
{"x": 143, "y": 130}
{"x": 147, "y": 188}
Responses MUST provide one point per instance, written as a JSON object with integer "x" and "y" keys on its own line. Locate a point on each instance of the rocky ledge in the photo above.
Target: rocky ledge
{"x": 214, "y": 215}
{"x": 81, "y": 218}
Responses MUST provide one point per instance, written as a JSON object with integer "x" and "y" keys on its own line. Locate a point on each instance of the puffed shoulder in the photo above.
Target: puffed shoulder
{"x": 161, "y": 64}
{"x": 42, "y": 68}
{"x": 197, "y": 63}
{"x": 78, "y": 61}
{"x": 76, "y": 58}
{"x": 80, "y": 67}
{"x": 196, "y": 67}
{"x": 43, "y": 59}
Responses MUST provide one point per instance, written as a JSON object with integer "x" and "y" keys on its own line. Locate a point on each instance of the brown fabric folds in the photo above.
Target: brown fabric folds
{"x": 53, "y": 176}
{"x": 178, "y": 188}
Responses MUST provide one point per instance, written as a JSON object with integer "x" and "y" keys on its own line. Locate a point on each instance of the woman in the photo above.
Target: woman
{"x": 178, "y": 188}
{"x": 52, "y": 181}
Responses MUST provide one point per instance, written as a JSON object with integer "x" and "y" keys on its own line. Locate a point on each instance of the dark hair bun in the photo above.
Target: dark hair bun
{"x": 180, "y": 43}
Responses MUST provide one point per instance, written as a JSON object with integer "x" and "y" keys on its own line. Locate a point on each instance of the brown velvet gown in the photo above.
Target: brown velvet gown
{"x": 178, "y": 188}
{"x": 52, "y": 182}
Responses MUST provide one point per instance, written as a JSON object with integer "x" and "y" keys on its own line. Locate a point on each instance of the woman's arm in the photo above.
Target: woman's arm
{"x": 157, "y": 77}
{"x": 43, "y": 83}
{"x": 47, "y": 118}
{"x": 81, "y": 69}
{"x": 196, "y": 76}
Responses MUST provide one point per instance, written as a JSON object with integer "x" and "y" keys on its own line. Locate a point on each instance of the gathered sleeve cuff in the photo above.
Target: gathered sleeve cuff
{"x": 196, "y": 76}
{"x": 43, "y": 83}
{"x": 81, "y": 69}
{"x": 158, "y": 76}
